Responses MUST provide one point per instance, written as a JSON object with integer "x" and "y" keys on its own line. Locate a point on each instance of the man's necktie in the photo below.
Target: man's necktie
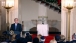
{"x": 15, "y": 27}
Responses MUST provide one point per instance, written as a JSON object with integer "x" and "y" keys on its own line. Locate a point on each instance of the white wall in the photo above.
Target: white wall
{"x": 29, "y": 10}
{"x": 53, "y": 15}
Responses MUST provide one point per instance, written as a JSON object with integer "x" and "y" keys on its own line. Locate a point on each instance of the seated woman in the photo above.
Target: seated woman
{"x": 53, "y": 41}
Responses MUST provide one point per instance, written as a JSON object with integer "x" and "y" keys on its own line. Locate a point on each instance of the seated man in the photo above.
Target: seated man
{"x": 28, "y": 37}
{"x": 16, "y": 27}
{"x": 21, "y": 40}
{"x": 37, "y": 39}
{"x": 25, "y": 39}
{"x": 42, "y": 39}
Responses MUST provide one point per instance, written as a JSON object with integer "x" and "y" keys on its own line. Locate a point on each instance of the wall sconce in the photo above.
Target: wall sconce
{"x": 7, "y": 4}
{"x": 69, "y": 5}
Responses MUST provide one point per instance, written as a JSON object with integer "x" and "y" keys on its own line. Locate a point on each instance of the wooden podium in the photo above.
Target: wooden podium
{"x": 12, "y": 34}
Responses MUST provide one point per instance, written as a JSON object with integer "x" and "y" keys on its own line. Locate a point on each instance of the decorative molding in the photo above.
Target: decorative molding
{"x": 50, "y": 22}
{"x": 42, "y": 16}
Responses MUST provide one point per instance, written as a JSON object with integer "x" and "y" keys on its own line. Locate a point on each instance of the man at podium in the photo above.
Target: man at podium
{"x": 16, "y": 27}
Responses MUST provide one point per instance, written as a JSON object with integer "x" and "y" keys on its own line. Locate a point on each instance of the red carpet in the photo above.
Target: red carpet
{"x": 47, "y": 38}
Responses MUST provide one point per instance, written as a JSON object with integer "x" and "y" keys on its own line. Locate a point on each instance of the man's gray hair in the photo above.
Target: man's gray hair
{"x": 15, "y": 18}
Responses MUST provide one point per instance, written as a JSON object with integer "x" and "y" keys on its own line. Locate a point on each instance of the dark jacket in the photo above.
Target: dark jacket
{"x": 19, "y": 27}
{"x": 28, "y": 38}
{"x": 21, "y": 40}
{"x": 36, "y": 40}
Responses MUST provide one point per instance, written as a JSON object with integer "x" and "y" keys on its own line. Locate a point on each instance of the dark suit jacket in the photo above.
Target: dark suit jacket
{"x": 19, "y": 27}
{"x": 36, "y": 40}
{"x": 21, "y": 40}
{"x": 28, "y": 38}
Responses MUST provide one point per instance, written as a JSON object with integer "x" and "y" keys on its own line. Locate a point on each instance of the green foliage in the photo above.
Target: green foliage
{"x": 51, "y": 1}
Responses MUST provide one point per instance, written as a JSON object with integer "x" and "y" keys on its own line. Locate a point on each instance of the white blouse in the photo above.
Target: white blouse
{"x": 53, "y": 41}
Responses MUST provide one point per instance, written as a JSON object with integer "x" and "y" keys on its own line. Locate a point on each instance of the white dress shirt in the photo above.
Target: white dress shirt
{"x": 15, "y": 26}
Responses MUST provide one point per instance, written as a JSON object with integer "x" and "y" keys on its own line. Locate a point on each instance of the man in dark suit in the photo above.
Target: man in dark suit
{"x": 16, "y": 27}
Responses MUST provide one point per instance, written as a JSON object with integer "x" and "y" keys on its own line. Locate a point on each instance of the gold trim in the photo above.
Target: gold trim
{"x": 7, "y": 9}
{"x": 69, "y": 13}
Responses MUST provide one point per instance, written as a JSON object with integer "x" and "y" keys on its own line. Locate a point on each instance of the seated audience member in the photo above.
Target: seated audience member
{"x": 62, "y": 39}
{"x": 21, "y": 40}
{"x": 53, "y": 41}
{"x": 28, "y": 37}
{"x": 42, "y": 40}
{"x": 23, "y": 36}
{"x": 37, "y": 39}
{"x": 68, "y": 41}
{"x": 74, "y": 37}
{"x": 57, "y": 38}
{"x": 13, "y": 38}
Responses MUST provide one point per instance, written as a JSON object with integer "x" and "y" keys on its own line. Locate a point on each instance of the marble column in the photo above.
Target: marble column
{"x": 3, "y": 18}
{"x": 64, "y": 23}
{"x": 73, "y": 30}
{"x": 63, "y": 19}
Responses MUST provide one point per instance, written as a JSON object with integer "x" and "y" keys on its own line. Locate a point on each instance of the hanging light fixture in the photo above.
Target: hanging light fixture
{"x": 7, "y": 4}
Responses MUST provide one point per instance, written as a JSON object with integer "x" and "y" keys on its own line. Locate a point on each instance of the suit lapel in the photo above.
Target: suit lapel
{"x": 14, "y": 26}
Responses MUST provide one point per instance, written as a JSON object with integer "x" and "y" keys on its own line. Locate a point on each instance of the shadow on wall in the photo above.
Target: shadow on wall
{"x": 29, "y": 25}
{"x": 51, "y": 29}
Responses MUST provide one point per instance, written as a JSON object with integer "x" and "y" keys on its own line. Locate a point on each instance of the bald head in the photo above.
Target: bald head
{"x": 16, "y": 20}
